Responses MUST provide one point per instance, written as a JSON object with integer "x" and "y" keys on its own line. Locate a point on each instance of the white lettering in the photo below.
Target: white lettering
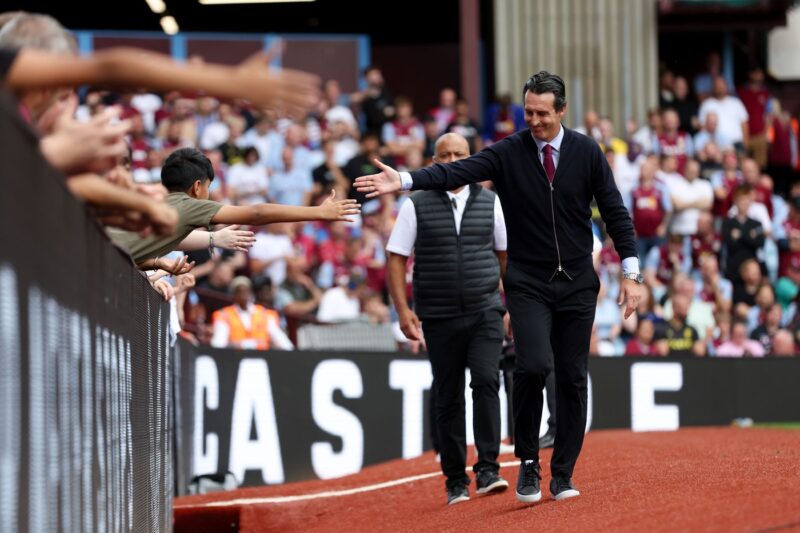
{"x": 413, "y": 378}
{"x": 329, "y": 376}
{"x": 253, "y": 404}
{"x": 206, "y": 396}
{"x": 646, "y": 379}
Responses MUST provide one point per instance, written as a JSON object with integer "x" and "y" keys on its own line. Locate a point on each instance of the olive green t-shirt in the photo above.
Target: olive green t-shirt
{"x": 192, "y": 214}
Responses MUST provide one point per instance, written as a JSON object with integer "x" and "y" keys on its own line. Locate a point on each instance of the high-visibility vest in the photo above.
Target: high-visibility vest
{"x": 258, "y": 332}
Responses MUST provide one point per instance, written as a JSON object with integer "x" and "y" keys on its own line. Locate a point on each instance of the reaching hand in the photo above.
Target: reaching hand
{"x": 388, "y": 180}
{"x": 630, "y": 293}
{"x": 338, "y": 210}
{"x": 290, "y": 91}
{"x": 232, "y": 238}
{"x": 74, "y": 147}
{"x": 175, "y": 267}
{"x": 185, "y": 282}
{"x": 163, "y": 288}
{"x": 409, "y": 325}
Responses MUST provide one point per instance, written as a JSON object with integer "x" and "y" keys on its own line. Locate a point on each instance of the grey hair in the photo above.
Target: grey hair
{"x": 40, "y": 32}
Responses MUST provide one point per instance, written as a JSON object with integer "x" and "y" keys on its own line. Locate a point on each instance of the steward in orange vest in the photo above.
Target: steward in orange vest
{"x": 248, "y": 325}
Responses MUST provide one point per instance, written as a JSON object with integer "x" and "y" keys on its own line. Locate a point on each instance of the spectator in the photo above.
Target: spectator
{"x": 725, "y": 183}
{"x": 700, "y": 314}
{"x": 341, "y": 302}
{"x": 462, "y": 124}
{"x": 445, "y": 112}
{"x": 404, "y": 134}
{"x": 666, "y": 82}
{"x": 265, "y": 138}
{"x": 247, "y": 182}
{"x": 731, "y": 112}
{"x": 704, "y": 82}
{"x": 298, "y": 295}
{"x": 683, "y": 105}
{"x": 608, "y": 320}
{"x": 363, "y": 163}
{"x": 329, "y": 176}
{"x": 707, "y": 241}
{"x": 690, "y": 197}
{"x": 756, "y": 315}
{"x": 755, "y": 98}
{"x": 783, "y": 344}
{"x": 649, "y": 211}
{"x": 609, "y": 140}
{"x": 742, "y": 236}
{"x": 713, "y": 288}
{"x": 674, "y": 142}
{"x": 747, "y": 283}
{"x": 339, "y": 106}
{"x": 765, "y": 333}
{"x": 292, "y": 185}
{"x": 377, "y": 103}
{"x": 180, "y": 128}
{"x": 783, "y": 148}
{"x": 642, "y": 343}
{"x": 502, "y": 119}
{"x": 591, "y": 126}
{"x": 272, "y": 249}
{"x": 646, "y": 137}
{"x": 710, "y": 134}
{"x": 682, "y": 339}
{"x": 246, "y": 325}
{"x": 663, "y": 262}
{"x": 739, "y": 345}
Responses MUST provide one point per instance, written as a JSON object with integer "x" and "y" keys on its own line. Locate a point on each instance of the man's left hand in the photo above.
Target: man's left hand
{"x": 630, "y": 293}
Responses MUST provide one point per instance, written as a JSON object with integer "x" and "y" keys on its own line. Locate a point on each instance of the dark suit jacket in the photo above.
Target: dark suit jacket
{"x": 545, "y": 224}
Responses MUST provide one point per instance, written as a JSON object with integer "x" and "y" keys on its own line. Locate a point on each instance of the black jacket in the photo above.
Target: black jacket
{"x": 539, "y": 236}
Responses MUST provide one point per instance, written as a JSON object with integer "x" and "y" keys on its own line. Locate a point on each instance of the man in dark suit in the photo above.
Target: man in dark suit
{"x": 546, "y": 178}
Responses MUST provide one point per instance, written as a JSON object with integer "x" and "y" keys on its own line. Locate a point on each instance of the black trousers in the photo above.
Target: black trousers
{"x": 552, "y": 322}
{"x": 455, "y": 344}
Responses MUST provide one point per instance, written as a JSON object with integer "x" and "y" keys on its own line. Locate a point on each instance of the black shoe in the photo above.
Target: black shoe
{"x": 547, "y": 440}
{"x": 490, "y": 481}
{"x": 561, "y": 488}
{"x": 457, "y": 494}
{"x": 528, "y": 490}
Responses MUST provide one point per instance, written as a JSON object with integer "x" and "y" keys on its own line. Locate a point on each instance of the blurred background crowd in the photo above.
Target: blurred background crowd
{"x": 710, "y": 180}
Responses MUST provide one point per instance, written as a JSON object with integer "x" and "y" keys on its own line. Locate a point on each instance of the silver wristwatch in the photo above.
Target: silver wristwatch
{"x": 638, "y": 278}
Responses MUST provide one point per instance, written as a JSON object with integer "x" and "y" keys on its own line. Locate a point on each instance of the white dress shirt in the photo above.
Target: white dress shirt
{"x": 404, "y": 232}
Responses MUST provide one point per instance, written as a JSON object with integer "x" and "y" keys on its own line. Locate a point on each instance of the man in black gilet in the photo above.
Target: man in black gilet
{"x": 459, "y": 242}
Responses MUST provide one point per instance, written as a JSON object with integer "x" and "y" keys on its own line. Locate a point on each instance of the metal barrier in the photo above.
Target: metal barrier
{"x": 85, "y": 390}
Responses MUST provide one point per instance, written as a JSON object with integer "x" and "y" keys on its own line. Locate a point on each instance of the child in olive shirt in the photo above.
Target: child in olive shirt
{"x": 187, "y": 175}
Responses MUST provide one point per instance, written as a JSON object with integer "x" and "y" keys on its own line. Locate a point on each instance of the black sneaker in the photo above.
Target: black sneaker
{"x": 490, "y": 481}
{"x": 561, "y": 488}
{"x": 457, "y": 494}
{"x": 547, "y": 440}
{"x": 528, "y": 490}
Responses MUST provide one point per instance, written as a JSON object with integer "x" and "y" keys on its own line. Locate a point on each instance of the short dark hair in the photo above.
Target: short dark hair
{"x": 183, "y": 167}
{"x": 544, "y": 82}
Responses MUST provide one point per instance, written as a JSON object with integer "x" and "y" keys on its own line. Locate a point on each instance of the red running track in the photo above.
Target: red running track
{"x": 704, "y": 479}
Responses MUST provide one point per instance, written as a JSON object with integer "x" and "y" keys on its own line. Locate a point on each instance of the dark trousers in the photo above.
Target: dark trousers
{"x": 550, "y": 390}
{"x": 552, "y": 322}
{"x": 455, "y": 344}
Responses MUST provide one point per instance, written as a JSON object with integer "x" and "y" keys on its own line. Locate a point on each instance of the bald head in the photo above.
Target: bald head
{"x": 450, "y": 147}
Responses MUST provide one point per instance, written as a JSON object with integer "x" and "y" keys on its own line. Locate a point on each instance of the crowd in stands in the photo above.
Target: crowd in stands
{"x": 709, "y": 180}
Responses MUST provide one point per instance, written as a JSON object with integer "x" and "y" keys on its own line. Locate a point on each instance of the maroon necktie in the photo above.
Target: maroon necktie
{"x": 549, "y": 165}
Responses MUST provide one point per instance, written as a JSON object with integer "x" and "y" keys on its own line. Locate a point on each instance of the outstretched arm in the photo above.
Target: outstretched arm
{"x": 259, "y": 214}
{"x": 291, "y": 90}
{"x": 482, "y": 166}
{"x": 230, "y": 238}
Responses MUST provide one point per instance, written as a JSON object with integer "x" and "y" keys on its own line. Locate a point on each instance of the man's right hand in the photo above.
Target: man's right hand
{"x": 507, "y": 326}
{"x": 387, "y": 181}
{"x": 409, "y": 325}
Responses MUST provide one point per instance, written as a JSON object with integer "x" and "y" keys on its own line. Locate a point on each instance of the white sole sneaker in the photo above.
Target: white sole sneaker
{"x": 500, "y": 484}
{"x": 458, "y": 500}
{"x": 571, "y": 493}
{"x": 529, "y": 498}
